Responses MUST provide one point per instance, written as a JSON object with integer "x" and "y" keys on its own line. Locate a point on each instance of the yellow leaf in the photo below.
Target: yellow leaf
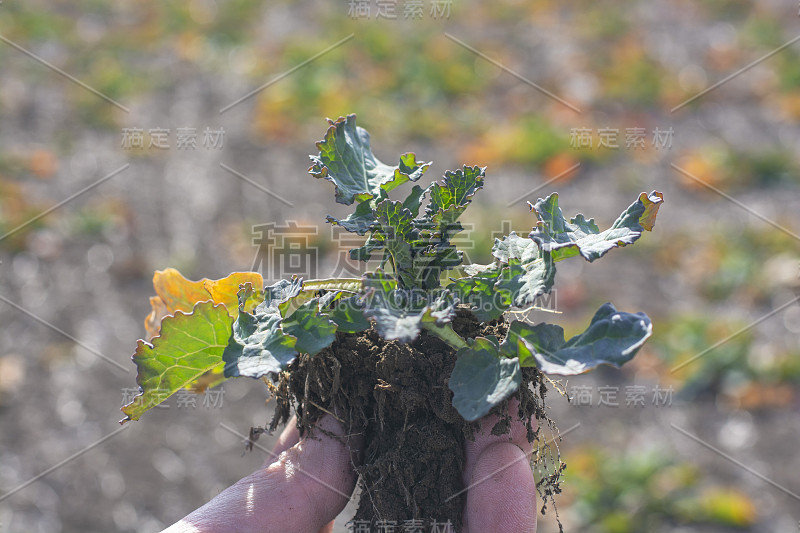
{"x": 224, "y": 290}
{"x": 176, "y": 293}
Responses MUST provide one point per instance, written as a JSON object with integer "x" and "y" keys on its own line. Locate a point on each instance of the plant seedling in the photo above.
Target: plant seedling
{"x": 420, "y": 345}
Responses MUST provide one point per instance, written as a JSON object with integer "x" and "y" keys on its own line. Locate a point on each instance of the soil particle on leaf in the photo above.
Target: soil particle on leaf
{"x": 397, "y": 396}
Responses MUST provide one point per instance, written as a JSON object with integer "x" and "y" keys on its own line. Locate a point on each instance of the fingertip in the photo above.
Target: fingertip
{"x": 288, "y": 438}
{"x": 501, "y": 490}
{"x": 517, "y": 435}
{"x": 324, "y": 465}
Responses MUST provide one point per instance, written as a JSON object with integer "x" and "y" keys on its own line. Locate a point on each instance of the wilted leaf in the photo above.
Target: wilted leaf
{"x": 176, "y": 293}
{"x": 225, "y": 290}
{"x": 152, "y": 323}
{"x": 580, "y": 236}
{"x": 482, "y": 379}
{"x": 189, "y": 346}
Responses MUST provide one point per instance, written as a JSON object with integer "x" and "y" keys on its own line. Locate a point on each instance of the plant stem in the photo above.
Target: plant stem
{"x": 447, "y": 334}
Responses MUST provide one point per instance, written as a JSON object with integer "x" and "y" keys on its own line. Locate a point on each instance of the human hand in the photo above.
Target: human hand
{"x": 308, "y": 482}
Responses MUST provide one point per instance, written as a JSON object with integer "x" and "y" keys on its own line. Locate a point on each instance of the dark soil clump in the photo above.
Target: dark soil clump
{"x": 397, "y": 396}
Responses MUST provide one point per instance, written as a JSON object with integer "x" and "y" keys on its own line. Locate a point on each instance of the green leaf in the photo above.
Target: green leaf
{"x": 397, "y": 233}
{"x": 257, "y": 345}
{"x": 612, "y": 338}
{"x": 492, "y": 289}
{"x": 346, "y": 160}
{"x": 314, "y": 331}
{"x": 348, "y": 314}
{"x": 512, "y": 246}
{"x": 409, "y": 169}
{"x": 189, "y": 346}
{"x": 359, "y": 221}
{"x": 414, "y": 199}
{"x": 482, "y": 379}
{"x": 580, "y": 236}
{"x": 480, "y": 293}
{"x": 451, "y": 197}
{"x": 399, "y": 314}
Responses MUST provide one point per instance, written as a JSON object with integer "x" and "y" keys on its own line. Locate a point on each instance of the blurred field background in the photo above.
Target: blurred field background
{"x": 720, "y": 275}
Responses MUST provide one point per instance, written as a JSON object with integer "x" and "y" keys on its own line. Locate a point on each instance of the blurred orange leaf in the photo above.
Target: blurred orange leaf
{"x": 43, "y": 164}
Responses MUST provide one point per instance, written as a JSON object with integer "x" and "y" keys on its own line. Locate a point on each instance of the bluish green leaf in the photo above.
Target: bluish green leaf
{"x": 348, "y": 314}
{"x": 257, "y": 345}
{"x": 612, "y": 338}
{"x": 580, "y": 236}
{"x": 523, "y": 284}
{"x": 281, "y": 294}
{"x": 358, "y": 221}
{"x": 481, "y": 294}
{"x": 346, "y": 160}
{"x": 482, "y": 379}
{"x": 512, "y": 246}
{"x": 399, "y": 314}
{"x": 524, "y": 341}
{"x": 453, "y": 194}
{"x": 314, "y": 331}
{"x": 492, "y": 289}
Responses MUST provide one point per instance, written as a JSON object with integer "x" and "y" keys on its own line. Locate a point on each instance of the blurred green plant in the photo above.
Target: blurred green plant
{"x": 646, "y": 491}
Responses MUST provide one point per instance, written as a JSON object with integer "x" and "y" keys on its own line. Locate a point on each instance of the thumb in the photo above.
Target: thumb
{"x": 498, "y": 479}
{"x": 303, "y": 490}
